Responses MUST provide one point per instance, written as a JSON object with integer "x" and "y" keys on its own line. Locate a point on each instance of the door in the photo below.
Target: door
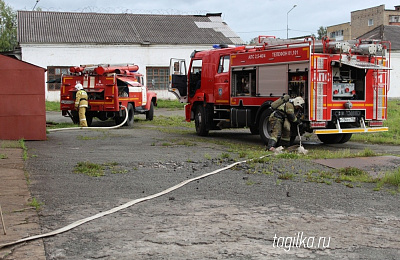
{"x": 221, "y": 90}
{"x": 178, "y": 79}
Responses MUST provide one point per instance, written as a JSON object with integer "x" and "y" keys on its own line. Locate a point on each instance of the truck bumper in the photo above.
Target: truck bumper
{"x": 351, "y": 130}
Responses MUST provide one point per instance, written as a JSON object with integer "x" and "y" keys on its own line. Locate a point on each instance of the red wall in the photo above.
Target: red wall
{"x": 22, "y": 100}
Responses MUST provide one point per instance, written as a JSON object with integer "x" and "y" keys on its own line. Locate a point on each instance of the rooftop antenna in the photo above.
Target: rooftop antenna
{"x": 37, "y": 1}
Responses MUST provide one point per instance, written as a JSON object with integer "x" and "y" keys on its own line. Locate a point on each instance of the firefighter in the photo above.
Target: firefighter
{"x": 280, "y": 121}
{"x": 81, "y": 104}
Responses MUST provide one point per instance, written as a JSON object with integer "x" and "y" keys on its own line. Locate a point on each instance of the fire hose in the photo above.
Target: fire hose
{"x": 94, "y": 128}
{"x": 126, "y": 205}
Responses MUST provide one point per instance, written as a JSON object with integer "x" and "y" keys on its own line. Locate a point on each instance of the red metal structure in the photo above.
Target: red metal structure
{"x": 22, "y": 99}
{"x": 109, "y": 88}
{"x": 344, "y": 85}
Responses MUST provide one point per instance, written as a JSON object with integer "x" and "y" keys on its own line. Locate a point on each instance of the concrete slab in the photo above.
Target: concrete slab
{"x": 20, "y": 220}
{"x": 373, "y": 165}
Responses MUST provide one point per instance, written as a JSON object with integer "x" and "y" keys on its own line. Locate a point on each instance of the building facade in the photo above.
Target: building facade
{"x": 340, "y": 32}
{"x": 363, "y": 21}
{"x": 58, "y": 40}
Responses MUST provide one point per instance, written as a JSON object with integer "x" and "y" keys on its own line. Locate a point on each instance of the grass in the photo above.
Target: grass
{"x": 163, "y": 103}
{"x": 390, "y": 178}
{"x": 90, "y": 169}
{"x": 35, "y": 204}
{"x": 393, "y": 122}
{"x": 52, "y": 106}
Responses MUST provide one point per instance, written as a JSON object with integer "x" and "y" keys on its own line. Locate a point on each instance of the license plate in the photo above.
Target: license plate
{"x": 347, "y": 119}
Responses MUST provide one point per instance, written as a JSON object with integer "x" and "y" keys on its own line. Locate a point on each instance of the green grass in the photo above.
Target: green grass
{"x": 35, "y": 203}
{"x": 90, "y": 169}
{"x": 393, "y": 122}
{"x": 163, "y": 103}
{"x": 52, "y": 106}
{"x": 392, "y": 179}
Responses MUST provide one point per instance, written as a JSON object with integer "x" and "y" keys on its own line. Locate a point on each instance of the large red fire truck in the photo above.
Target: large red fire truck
{"x": 344, "y": 85}
{"x": 109, "y": 88}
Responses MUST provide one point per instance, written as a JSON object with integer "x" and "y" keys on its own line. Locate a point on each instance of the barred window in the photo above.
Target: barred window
{"x": 54, "y": 74}
{"x": 157, "y": 77}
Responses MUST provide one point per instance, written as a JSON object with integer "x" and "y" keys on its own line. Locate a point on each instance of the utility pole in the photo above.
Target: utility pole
{"x": 287, "y": 22}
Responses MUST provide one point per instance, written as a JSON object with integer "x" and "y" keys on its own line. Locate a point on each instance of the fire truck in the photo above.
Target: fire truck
{"x": 109, "y": 89}
{"x": 344, "y": 85}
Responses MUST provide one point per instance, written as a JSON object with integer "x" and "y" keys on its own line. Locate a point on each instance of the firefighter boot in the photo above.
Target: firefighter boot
{"x": 271, "y": 145}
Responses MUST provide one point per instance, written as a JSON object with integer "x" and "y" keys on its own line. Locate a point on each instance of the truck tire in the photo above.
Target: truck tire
{"x": 346, "y": 137}
{"x": 89, "y": 119}
{"x": 330, "y": 138}
{"x": 254, "y": 130}
{"x": 264, "y": 126}
{"x": 131, "y": 115}
{"x": 150, "y": 113}
{"x": 75, "y": 116}
{"x": 200, "y": 121}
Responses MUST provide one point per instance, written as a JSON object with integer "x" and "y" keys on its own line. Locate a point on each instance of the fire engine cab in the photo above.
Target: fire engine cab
{"x": 109, "y": 89}
{"x": 344, "y": 85}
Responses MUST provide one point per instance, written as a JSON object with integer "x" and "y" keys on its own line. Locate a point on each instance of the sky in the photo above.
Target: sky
{"x": 248, "y": 18}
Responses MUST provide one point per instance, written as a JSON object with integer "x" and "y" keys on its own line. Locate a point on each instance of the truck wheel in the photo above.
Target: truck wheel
{"x": 345, "y": 138}
{"x": 150, "y": 113}
{"x": 200, "y": 121}
{"x": 131, "y": 114}
{"x": 264, "y": 126}
{"x": 89, "y": 119}
{"x": 330, "y": 138}
{"x": 75, "y": 116}
{"x": 254, "y": 130}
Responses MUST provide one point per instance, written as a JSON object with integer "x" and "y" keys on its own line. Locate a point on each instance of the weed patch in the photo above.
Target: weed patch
{"x": 90, "y": 169}
{"x": 35, "y": 203}
{"x": 390, "y": 178}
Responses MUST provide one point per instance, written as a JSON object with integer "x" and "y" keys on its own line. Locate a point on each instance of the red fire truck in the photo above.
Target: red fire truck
{"x": 109, "y": 88}
{"x": 344, "y": 85}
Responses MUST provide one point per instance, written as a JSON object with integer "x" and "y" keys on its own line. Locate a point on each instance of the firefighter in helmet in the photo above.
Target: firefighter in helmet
{"x": 81, "y": 104}
{"x": 281, "y": 120}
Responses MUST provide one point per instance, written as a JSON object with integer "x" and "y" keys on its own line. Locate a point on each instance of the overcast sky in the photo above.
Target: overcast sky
{"x": 248, "y": 18}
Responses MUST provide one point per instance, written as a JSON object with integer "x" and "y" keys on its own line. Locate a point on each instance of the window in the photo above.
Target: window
{"x": 54, "y": 74}
{"x": 370, "y": 22}
{"x": 223, "y": 64}
{"x": 394, "y": 18}
{"x": 244, "y": 82}
{"x": 157, "y": 77}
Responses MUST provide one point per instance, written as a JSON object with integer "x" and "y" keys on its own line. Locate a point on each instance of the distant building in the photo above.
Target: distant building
{"x": 363, "y": 21}
{"x": 59, "y": 40}
{"x": 340, "y": 32}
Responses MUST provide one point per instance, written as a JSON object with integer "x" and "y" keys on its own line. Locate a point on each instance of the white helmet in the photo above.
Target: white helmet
{"x": 298, "y": 101}
{"x": 78, "y": 86}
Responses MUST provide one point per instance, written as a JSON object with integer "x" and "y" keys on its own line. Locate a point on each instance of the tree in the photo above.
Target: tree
{"x": 8, "y": 27}
{"x": 321, "y": 32}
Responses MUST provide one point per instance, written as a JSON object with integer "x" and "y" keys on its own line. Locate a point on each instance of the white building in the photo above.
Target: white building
{"x": 58, "y": 40}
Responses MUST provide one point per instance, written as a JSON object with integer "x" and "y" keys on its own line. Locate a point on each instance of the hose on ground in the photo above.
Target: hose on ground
{"x": 94, "y": 128}
{"x": 126, "y": 205}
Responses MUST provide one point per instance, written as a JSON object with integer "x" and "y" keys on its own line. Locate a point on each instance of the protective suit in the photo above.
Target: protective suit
{"x": 280, "y": 121}
{"x": 81, "y": 104}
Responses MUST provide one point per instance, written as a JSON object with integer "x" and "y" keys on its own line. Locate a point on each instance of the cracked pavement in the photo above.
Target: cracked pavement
{"x": 230, "y": 215}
